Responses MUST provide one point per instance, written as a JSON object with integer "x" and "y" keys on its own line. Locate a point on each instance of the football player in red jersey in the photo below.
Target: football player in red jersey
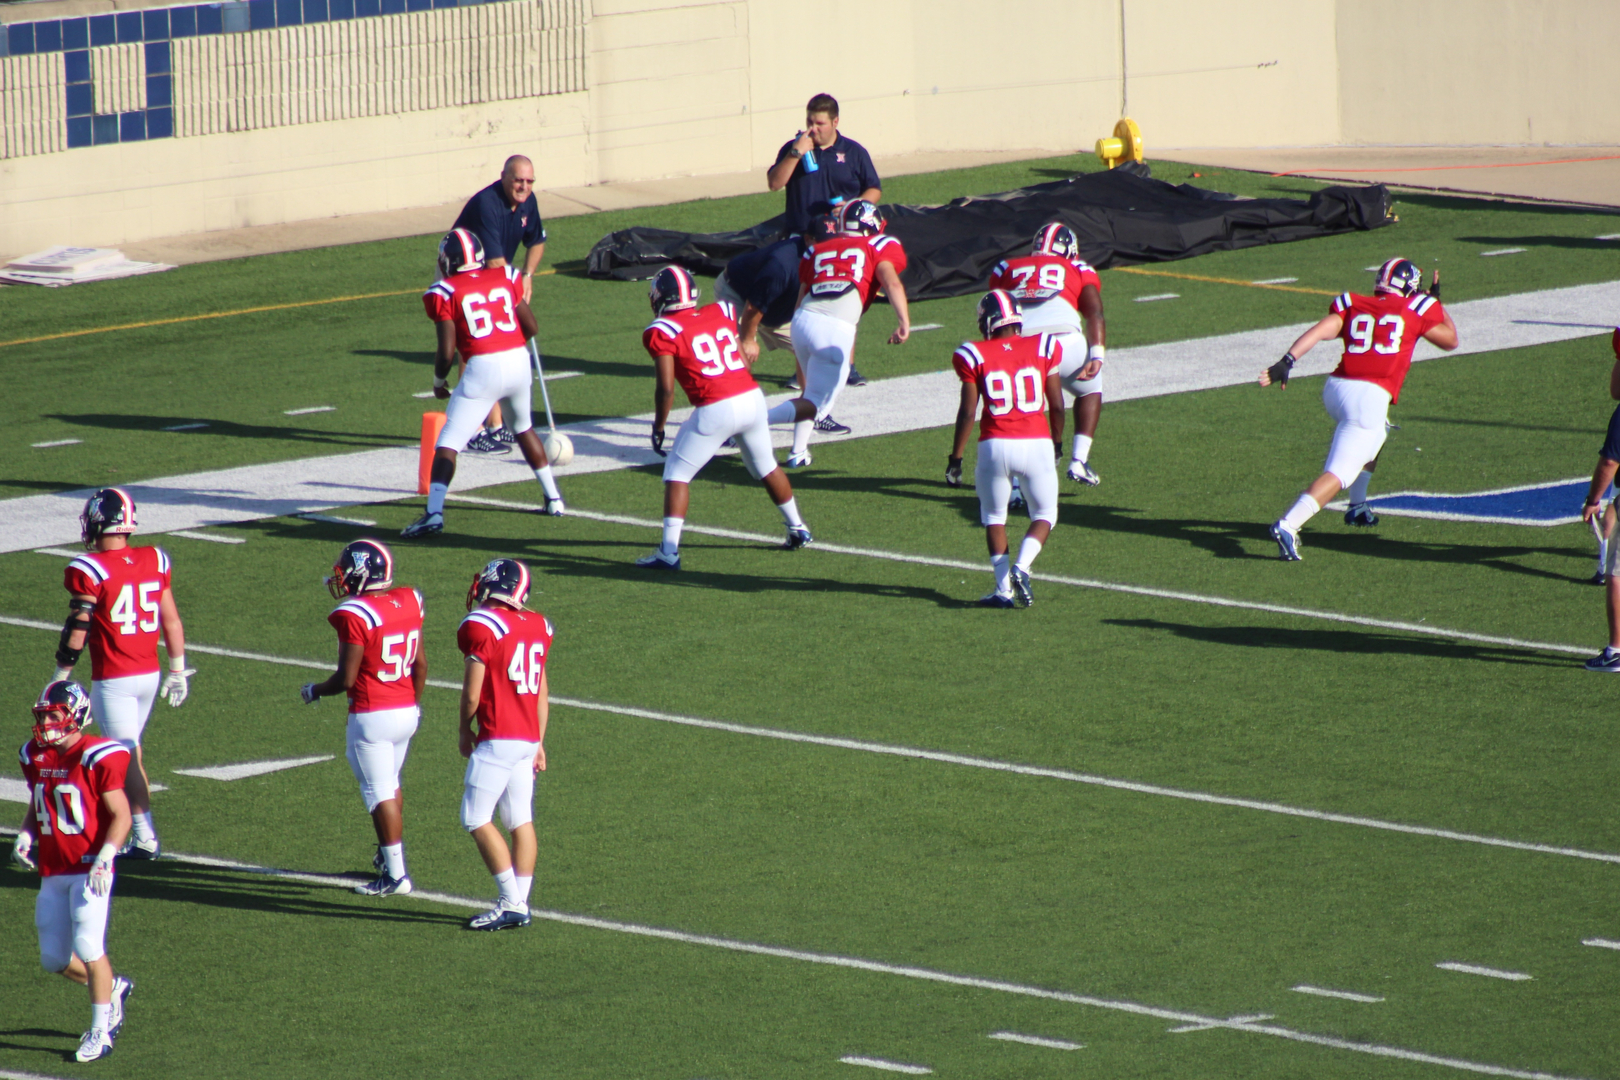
{"x": 1018, "y": 379}
{"x": 1379, "y": 331}
{"x": 1061, "y": 294}
{"x": 480, "y": 312}
{"x": 77, "y": 818}
{"x": 505, "y": 703}
{"x": 119, "y": 602}
{"x": 382, "y": 670}
{"x": 699, "y": 348}
{"x": 838, "y": 277}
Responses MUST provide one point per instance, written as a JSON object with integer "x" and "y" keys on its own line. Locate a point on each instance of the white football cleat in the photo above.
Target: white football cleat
{"x": 554, "y": 508}
{"x": 122, "y": 988}
{"x": 95, "y": 1045}
{"x": 798, "y": 461}
{"x": 426, "y": 525}
{"x": 1082, "y": 472}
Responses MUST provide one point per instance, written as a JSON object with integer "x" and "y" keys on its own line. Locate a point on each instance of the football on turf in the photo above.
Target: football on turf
{"x": 559, "y": 448}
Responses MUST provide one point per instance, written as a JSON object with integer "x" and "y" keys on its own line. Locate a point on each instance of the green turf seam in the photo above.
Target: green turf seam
{"x": 944, "y": 758}
{"x": 1192, "y": 1021}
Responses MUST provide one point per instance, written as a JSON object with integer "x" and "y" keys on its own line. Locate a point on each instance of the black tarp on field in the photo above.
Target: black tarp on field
{"x": 1122, "y": 217}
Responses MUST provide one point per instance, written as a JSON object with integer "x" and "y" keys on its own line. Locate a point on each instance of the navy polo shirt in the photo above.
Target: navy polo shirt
{"x": 1611, "y": 444}
{"x": 501, "y": 230}
{"x": 768, "y": 279}
{"x": 845, "y": 169}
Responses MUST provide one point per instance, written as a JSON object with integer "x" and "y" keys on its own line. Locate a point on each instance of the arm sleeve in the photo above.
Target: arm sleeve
{"x": 349, "y": 628}
{"x": 1611, "y": 443}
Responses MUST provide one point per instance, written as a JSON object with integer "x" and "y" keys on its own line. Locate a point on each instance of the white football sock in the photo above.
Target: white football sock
{"x": 547, "y": 482}
{"x": 394, "y": 859}
{"x": 1357, "y": 492}
{"x": 1303, "y": 510}
{"x": 506, "y": 882}
{"x": 100, "y": 1015}
{"x": 1603, "y": 556}
{"x": 782, "y": 412}
{"x": 142, "y": 826}
{"x": 1082, "y": 448}
{"x": 1027, "y": 551}
{"x": 523, "y": 886}
{"x": 790, "y": 513}
{"x": 436, "y": 494}
{"x": 1002, "y": 565}
{"x": 1614, "y": 556}
{"x": 801, "y": 436}
{"x": 672, "y": 535}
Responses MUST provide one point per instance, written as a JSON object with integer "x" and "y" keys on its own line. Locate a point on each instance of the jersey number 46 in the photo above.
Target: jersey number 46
{"x": 526, "y": 680}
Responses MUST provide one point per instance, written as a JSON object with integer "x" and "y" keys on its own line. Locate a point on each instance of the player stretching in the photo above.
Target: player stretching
{"x": 381, "y": 668}
{"x": 1379, "y": 332}
{"x": 1058, "y": 292}
{"x": 480, "y": 313}
{"x": 1022, "y": 423}
{"x": 504, "y": 706}
{"x": 837, "y": 281}
{"x": 77, "y": 817}
{"x": 699, "y": 348}
{"x": 119, "y": 602}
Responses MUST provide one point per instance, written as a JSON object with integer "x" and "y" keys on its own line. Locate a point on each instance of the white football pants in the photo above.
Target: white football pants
{"x": 500, "y": 775}
{"x": 377, "y": 745}
{"x": 71, "y": 920}
{"x": 1361, "y": 408}
{"x": 505, "y": 377}
{"x": 121, "y": 706}
{"x": 1028, "y": 459}
{"x": 709, "y": 426}
{"x": 824, "y": 346}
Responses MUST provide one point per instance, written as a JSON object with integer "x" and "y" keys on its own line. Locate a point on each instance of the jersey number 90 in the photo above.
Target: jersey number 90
{"x": 1021, "y": 391}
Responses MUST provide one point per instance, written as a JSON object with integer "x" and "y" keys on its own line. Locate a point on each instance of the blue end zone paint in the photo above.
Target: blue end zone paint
{"x": 1557, "y": 502}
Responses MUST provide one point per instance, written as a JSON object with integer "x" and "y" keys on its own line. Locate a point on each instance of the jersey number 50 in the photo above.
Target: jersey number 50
{"x": 1362, "y": 331}
{"x": 479, "y": 320}
{"x": 527, "y": 682}
{"x": 400, "y": 662}
{"x": 1021, "y": 391}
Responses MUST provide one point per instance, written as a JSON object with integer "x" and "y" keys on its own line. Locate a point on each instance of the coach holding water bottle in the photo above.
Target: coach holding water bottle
{"x": 820, "y": 167}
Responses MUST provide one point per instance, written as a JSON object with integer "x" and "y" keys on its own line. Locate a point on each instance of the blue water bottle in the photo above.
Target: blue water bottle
{"x": 810, "y": 161}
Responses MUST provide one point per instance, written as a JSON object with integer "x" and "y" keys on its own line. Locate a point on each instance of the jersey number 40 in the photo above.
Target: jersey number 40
{"x": 526, "y": 679}
{"x": 69, "y": 810}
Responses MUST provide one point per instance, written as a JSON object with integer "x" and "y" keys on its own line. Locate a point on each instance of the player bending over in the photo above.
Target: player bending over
{"x": 77, "y": 817}
{"x": 382, "y": 670}
{"x": 119, "y": 602}
{"x": 1060, "y": 294}
{"x": 480, "y": 313}
{"x": 699, "y": 348}
{"x": 1021, "y": 428}
{"x": 504, "y": 706}
{"x": 1379, "y": 331}
{"x": 838, "y": 277}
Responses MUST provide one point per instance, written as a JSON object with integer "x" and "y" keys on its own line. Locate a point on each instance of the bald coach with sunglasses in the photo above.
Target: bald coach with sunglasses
{"x": 506, "y": 214}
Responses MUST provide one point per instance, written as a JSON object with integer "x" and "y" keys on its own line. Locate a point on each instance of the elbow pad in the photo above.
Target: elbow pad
{"x": 78, "y": 619}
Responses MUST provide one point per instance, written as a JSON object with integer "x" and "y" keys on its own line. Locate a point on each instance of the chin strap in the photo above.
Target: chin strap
{"x": 78, "y": 619}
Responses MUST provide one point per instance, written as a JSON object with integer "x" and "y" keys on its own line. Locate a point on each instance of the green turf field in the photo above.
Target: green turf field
{"x": 925, "y": 867}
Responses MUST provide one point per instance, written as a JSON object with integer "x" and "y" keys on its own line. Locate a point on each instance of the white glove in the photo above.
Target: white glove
{"x": 20, "y": 851}
{"x": 62, "y": 673}
{"x": 307, "y": 692}
{"x": 174, "y": 689}
{"x": 101, "y": 871}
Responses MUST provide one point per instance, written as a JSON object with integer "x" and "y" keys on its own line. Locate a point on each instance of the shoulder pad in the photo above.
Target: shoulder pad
{"x": 87, "y": 565}
{"x": 969, "y": 352}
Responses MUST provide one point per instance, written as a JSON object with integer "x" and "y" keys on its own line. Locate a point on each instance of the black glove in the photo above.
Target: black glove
{"x": 1434, "y": 286}
{"x": 658, "y": 441}
{"x": 1279, "y": 371}
{"x": 953, "y": 472}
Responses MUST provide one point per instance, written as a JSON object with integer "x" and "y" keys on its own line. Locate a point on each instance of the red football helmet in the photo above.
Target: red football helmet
{"x": 60, "y": 713}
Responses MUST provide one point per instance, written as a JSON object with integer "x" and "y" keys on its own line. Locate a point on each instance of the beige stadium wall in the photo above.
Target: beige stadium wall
{"x": 695, "y": 87}
{"x": 1471, "y": 72}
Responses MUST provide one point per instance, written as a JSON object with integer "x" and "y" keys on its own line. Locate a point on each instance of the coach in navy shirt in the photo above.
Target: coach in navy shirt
{"x": 764, "y": 286}
{"x": 506, "y": 214}
{"x": 843, "y": 167}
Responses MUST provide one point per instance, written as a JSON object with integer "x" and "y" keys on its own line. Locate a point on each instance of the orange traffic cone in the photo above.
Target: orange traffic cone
{"x": 432, "y": 424}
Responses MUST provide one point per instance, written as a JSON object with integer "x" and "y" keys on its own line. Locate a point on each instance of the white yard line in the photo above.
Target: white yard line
{"x": 184, "y": 427}
{"x": 251, "y": 768}
{"x": 1602, "y": 943}
{"x": 190, "y": 535}
{"x": 1492, "y": 973}
{"x": 908, "y": 403}
{"x": 310, "y": 409}
{"x": 364, "y": 523}
{"x": 1035, "y": 1040}
{"x": 1275, "y": 281}
{"x": 1059, "y": 579}
{"x": 944, "y": 758}
{"x": 1157, "y": 296}
{"x": 62, "y": 552}
{"x": 1345, "y": 995}
{"x": 56, "y": 442}
{"x": 878, "y": 967}
{"x": 886, "y": 1066}
{"x": 1504, "y": 251}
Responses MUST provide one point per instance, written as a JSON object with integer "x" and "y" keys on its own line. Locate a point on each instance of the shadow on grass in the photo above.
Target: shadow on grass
{"x": 1498, "y": 424}
{"x": 1575, "y": 243}
{"x": 1486, "y": 204}
{"x": 148, "y": 422}
{"x": 52, "y": 1049}
{"x": 239, "y": 891}
{"x": 1340, "y": 641}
